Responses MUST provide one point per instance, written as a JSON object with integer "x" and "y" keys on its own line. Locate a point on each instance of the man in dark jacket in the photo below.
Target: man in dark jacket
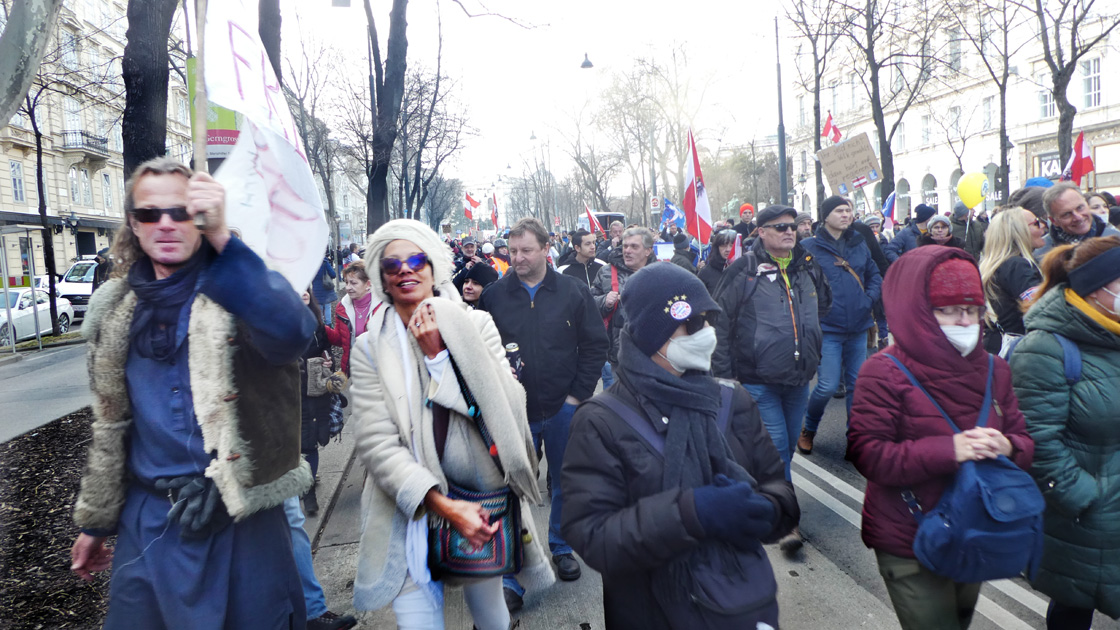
{"x": 907, "y": 238}
{"x": 322, "y": 287}
{"x": 746, "y": 225}
{"x": 557, "y": 326}
{"x": 969, "y": 230}
{"x": 855, "y": 281}
{"x": 682, "y": 253}
{"x": 584, "y": 267}
{"x": 769, "y": 333}
{"x": 638, "y": 518}
{"x": 635, "y": 252}
{"x": 609, "y": 246}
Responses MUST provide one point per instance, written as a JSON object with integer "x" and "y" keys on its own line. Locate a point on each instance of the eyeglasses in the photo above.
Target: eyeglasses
{"x": 955, "y": 311}
{"x": 695, "y": 324}
{"x": 782, "y": 227}
{"x": 415, "y": 262}
{"x": 178, "y": 214}
{"x": 1040, "y": 224}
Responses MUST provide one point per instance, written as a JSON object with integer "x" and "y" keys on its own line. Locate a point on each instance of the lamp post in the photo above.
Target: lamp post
{"x": 781, "y": 122}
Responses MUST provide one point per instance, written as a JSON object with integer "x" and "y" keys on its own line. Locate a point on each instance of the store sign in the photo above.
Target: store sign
{"x": 1049, "y": 165}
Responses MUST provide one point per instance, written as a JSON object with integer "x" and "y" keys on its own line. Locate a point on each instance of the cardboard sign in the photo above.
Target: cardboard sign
{"x": 850, "y": 165}
{"x": 663, "y": 251}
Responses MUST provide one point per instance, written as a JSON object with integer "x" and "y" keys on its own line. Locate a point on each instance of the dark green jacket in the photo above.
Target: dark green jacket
{"x": 1077, "y": 451}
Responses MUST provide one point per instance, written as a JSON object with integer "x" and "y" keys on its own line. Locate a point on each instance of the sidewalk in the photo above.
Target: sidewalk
{"x": 813, "y": 591}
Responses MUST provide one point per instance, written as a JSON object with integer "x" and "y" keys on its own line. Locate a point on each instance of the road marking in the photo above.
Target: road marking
{"x": 993, "y": 611}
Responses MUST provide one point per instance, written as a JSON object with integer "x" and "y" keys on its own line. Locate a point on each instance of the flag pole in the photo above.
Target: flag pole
{"x": 201, "y": 103}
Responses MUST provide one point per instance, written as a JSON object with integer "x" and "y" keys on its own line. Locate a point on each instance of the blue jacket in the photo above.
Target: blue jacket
{"x": 851, "y": 303}
{"x": 322, "y": 286}
{"x": 905, "y": 240}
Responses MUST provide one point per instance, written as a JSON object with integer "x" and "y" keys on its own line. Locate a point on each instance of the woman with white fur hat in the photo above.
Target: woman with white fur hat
{"x": 427, "y": 377}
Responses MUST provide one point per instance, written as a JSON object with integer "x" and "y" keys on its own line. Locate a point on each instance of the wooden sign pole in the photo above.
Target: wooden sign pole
{"x": 201, "y": 102}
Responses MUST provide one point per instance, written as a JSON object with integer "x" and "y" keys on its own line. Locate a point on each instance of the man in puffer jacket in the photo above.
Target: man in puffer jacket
{"x": 907, "y": 238}
{"x": 855, "y": 281}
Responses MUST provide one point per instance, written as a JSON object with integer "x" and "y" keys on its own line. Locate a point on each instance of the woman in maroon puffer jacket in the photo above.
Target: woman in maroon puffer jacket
{"x": 934, "y": 302}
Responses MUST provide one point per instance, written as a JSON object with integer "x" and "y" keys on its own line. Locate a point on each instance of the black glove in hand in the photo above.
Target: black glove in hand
{"x": 198, "y": 508}
{"x": 732, "y": 511}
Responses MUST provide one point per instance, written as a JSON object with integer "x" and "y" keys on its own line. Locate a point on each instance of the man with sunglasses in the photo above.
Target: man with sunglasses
{"x": 769, "y": 334}
{"x": 196, "y": 440}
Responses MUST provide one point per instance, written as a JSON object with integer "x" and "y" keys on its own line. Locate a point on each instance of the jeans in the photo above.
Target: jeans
{"x": 328, "y": 312}
{"x": 1062, "y": 617}
{"x": 841, "y": 353}
{"x": 554, "y": 432}
{"x": 415, "y": 611}
{"x": 301, "y": 549}
{"x": 782, "y": 407}
{"x": 607, "y": 375}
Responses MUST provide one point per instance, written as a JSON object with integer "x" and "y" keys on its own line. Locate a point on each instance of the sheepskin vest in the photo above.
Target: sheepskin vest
{"x": 247, "y": 410}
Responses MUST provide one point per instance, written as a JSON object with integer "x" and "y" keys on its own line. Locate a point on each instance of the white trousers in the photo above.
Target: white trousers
{"x": 484, "y": 599}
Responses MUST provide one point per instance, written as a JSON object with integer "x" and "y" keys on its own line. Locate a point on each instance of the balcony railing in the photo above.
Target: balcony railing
{"x": 85, "y": 141}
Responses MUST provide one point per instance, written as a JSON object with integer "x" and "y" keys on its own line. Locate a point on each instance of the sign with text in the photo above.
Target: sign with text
{"x": 850, "y": 165}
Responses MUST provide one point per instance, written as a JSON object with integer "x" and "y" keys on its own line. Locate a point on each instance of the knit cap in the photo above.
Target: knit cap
{"x": 803, "y": 216}
{"x": 923, "y": 212}
{"x": 955, "y": 281}
{"x": 939, "y": 219}
{"x": 872, "y": 219}
{"x": 680, "y": 241}
{"x": 832, "y": 203}
{"x": 658, "y": 299}
{"x": 743, "y": 208}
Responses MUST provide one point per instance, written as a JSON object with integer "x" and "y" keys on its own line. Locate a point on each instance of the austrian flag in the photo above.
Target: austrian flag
{"x": 830, "y": 130}
{"x": 1080, "y": 161}
{"x": 697, "y": 212}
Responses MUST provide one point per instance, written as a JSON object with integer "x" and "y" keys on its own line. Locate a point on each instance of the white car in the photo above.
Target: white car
{"x": 19, "y": 300}
{"x": 77, "y": 285}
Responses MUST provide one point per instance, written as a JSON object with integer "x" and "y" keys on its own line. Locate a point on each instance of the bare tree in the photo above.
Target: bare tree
{"x": 956, "y": 126}
{"x": 22, "y": 44}
{"x": 816, "y": 24}
{"x": 596, "y": 167}
{"x": 444, "y": 197}
{"x": 1069, "y": 29}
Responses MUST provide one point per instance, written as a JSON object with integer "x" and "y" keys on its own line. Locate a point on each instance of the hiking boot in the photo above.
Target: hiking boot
{"x": 805, "y": 442}
{"x": 841, "y": 391}
{"x": 310, "y": 503}
{"x": 331, "y": 621}
{"x": 792, "y": 542}
{"x": 514, "y": 602}
{"x": 567, "y": 568}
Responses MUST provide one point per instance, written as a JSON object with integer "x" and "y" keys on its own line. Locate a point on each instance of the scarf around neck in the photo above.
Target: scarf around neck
{"x": 690, "y": 401}
{"x": 1062, "y": 237}
{"x": 159, "y": 302}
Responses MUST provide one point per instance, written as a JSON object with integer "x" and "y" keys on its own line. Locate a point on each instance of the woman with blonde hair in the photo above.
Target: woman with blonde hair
{"x": 1066, "y": 374}
{"x": 1009, "y": 273}
{"x": 440, "y": 420}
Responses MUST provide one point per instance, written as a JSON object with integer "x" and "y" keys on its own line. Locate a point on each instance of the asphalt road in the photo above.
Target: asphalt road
{"x": 40, "y": 387}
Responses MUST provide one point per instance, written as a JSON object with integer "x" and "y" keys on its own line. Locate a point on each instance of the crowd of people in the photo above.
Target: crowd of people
{"x": 466, "y": 362}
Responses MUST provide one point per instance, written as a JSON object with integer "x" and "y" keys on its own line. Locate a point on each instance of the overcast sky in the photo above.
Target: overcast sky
{"x": 515, "y": 81}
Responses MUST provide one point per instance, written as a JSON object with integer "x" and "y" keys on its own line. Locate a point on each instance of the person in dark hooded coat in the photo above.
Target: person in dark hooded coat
{"x": 898, "y": 440}
{"x": 640, "y": 519}
{"x": 722, "y": 243}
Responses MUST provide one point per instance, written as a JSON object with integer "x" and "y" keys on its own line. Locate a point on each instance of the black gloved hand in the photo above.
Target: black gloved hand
{"x": 198, "y": 508}
{"x": 732, "y": 511}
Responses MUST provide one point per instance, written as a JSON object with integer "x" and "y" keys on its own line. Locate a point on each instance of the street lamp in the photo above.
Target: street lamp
{"x": 72, "y": 223}
{"x": 586, "y": 63}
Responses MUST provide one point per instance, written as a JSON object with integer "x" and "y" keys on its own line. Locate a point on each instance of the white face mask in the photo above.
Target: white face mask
{"x": 963, "y": 338}
{"x": 692, "y": 352}
{"x": 1115, "y": 310}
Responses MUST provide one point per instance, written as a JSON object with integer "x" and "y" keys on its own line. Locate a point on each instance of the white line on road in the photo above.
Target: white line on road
{"x": 999, "y": 615}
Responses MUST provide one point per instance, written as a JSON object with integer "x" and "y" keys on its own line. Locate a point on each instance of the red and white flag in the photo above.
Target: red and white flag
{"x": 830, "y": 130}
{"x": 494, "y": 210}
{"x": 736, "y": 250}
{"x": 467, "y": 212}
{"x": 470, "y": 200}
{"x": 697, "y": 212}
{"x": 592, "y": 222}
{"x": 1080, "y": 161}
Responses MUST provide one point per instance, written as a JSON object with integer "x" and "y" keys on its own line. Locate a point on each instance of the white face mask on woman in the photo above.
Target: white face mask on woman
{"x": 692, "y": 352}
{"x": 1115, "y": 310}
{"x": 963, "y": 338}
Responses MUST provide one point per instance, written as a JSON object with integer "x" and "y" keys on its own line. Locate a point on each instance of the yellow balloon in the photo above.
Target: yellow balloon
{"x": 972, "y": 188}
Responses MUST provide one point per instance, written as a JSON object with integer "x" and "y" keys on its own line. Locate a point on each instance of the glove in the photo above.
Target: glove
{"x": 198, "y": 508}
{"x": 731, "y": 510}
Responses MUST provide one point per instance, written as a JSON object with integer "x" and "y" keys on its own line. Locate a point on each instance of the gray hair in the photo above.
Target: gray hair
{"x": 1057, "y": 190}
{"x": 647, "y": 236}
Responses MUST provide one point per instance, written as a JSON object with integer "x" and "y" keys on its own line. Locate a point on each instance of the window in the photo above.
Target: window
{"x": 18, "y": 120}
{"x": 955, "y": 49}
{"x": 184, "y": 117}
{"x": 853, "y": 88}
{"x": 955, "y": 121}
{"x": 25, "y": 255}
{"x": 75, "y": 191}
{"x": 1046, "y": 105}
{"x": 18, "y": 193}
{"x": 87, "y": 189}
{"x": 804, "y": 161}
{"x": 900, "y": 137}
{"x": 801, "y": 117}
{"x": 835, "y": 89}
{"x": 899, "y": 80}
{"x": 72, "y": 115}
{"x": 1091, "y": 79}
{"x": 107, "y": 190}
{"x": 95, "y": 62}
{"x": 925, "y": 130}
{"x": 989, "y": 105}
{"x": 99, "y": 123}
{"x": 70, "y": 49}
{"x": 116, "y": 140}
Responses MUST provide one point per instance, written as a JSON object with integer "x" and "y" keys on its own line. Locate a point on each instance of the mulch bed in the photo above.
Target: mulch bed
{"x": 39, "y": 475}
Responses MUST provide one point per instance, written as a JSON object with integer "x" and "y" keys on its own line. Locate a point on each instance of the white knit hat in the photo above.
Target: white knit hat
{"x": 423, "y": 237}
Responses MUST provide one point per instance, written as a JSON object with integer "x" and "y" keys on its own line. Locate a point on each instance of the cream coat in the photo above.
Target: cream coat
{"x": 396, "y": 483}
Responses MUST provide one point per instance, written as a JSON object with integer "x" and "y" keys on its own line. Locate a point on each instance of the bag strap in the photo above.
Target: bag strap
{"x": 985, "y": 408}
{"x": 1071, "y": 359}
{"x": 476, "y": 414}
{"x": 840, "y": 262}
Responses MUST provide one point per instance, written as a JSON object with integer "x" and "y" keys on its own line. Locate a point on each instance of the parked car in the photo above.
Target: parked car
{"x": 77, "y": 285}
{"x": 23, "y": 314}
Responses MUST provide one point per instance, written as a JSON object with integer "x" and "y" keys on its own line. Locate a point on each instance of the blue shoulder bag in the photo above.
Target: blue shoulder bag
{"x": 988, "y": 523}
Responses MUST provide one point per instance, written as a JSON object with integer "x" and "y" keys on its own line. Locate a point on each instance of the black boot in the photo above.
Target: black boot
{"x": 310, "y": 503}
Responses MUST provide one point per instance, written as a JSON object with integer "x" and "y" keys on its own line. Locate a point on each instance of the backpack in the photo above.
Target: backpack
{"x": 988, "y": 523}
{"x": 717, "y": 586}
{"x": 1071, "y": 357}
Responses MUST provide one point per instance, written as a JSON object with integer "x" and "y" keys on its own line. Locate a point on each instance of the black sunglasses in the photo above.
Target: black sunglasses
{"x": 415, "y": 262}
{"x": 782, "y": 227}
{"x": 153, "y": 215}
{"x": 695, "y": 324}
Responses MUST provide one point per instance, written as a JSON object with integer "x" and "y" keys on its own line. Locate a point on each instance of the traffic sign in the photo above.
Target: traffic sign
{"x": 556, "y": 221}
{"x": 654, "y": 203}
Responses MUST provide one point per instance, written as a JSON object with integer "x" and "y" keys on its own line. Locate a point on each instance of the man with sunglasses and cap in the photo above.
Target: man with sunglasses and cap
{"x": 196, "y": 439}
{"x": 769, "y": 333}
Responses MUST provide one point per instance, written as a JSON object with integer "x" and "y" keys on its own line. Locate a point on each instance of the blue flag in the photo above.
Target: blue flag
{"x": 671, "y": 215}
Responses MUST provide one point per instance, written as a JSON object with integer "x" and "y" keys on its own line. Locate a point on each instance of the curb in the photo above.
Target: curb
{"x": 10, "y": 358}
{"x": 57, "y": 344}
{"x": 329, "y": 511}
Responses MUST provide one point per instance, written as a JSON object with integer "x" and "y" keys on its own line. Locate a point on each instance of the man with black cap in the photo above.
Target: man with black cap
{"x": 469, "y": 256}
{"x": 769, "y": 333}
{"x": 854, "y": 277}
{"x": 682, "y": 255}
{"x": 804, "y": 223}
{"x": 703, "y": 508}
{"x": 907, "y": 237}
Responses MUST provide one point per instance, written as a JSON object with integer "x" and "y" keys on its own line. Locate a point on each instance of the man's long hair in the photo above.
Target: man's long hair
{"x": 126, "y": 249}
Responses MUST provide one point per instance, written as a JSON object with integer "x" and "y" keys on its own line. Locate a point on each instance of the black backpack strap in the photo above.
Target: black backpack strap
{"x": 632, "y": 418}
